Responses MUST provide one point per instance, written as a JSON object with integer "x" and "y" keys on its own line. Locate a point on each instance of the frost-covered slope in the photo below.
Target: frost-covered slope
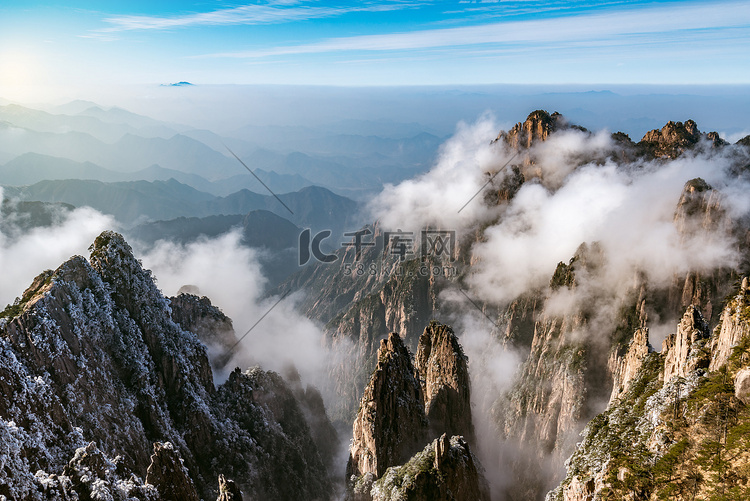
{"x": 91, "y": 353}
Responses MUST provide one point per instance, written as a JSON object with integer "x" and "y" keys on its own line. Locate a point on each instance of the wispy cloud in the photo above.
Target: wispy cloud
{"x": 673, "y": 24}
{"x": 270, "y": 12}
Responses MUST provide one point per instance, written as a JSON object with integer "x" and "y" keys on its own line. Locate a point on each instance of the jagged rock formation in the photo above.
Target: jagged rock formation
{"x": 557, "y": 386}
{"x": 228, "y": 490}
{"x": 700, "y": 211}
{"x": 679, "y": 431}
{"x": 675, "y": 138}
{"x": 170, "y": 477}
{"x": 362, "y": 301}
{"x": 91, "y": 353}
{"x": 391, "y": 423}
{"x": 733, "y": 327}
{"x": 536, "y": 128}
{"x": 566, "y": 377}
{"x": 683, "y": 351}
{"x": 199, "y": 316}
{"x": 445, "y": 470}
{"x": 444, "y": 377}
{"x": 403, "y": 405}
{"x": 625, "y": 370}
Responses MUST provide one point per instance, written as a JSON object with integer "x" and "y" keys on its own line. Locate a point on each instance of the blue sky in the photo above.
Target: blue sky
{"x": 377, "y": 42}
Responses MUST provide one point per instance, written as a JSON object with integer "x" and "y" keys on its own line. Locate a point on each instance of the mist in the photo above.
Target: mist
{"x": 576, "y": 194}
{"x": 26, "y": 253}
{"x": 271, "y": 333}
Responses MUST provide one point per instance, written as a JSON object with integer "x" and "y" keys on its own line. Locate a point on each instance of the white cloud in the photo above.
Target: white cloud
{"x": 271, "y": 12}
{"x": 273, "y": 335}
{"x": 443, "y": 196}
{"x": 24, "y": 256}
{"x": 651, "y": 25}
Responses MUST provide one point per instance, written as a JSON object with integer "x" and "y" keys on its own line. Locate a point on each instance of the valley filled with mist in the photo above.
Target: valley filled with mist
{"x": 361, "y": 293}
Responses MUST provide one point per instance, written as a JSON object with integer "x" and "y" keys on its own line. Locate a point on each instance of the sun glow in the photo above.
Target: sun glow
{"x": 21, "y": 75}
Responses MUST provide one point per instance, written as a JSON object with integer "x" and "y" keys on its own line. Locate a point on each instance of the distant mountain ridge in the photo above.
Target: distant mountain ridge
{"x": 133, "y": 201}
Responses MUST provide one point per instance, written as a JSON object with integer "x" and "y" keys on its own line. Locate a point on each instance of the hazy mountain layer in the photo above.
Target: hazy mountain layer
{"x": 132, "y": 202}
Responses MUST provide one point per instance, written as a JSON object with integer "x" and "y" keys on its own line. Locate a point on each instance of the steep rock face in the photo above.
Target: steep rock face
{"x": 733, "y": 326}
{"x": 700, "y": 214}
{"x": 683, "y": 351}
{"x": 537, "y": 127}
{"x": 199, "y": 316}
{"x": 390, "y": 425}
{"x": 627, "y": 368}
{"x": 679, "y": 431}
{"x": 321, "y": 429}
{"x": 547, "y": 402}
{"x": 557, "y": 388}
{"x": 91, "y": 353}
{"x": 360, "y": 301}
{"x": 402, "y": 406}
{"x": 169, "y": 476}
{"x": 444, "y": 377}
{"x": 742, "y": 385}
{"x": 445, "y": 470}
{"x": 268, "y": 449}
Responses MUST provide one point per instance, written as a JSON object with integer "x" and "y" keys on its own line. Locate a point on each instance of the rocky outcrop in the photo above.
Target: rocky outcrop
{"x": 684, "y": 351}
{"x": 742, "y": 385}
{"x": 626, "y": 369}
{"x": 167, "y": 473}
{"x": 536, "y": 128}
{"x": 271, "y": 454}
{"x": 733, "y": 326}
{"x": 675, "y": 138}
{"x": 700, "y": 210}
{"x": 199, "y": 316}
{"x": 402, "y": 406}
{"x": 390, "y": 425}
{"x": 228, "y": 490}
{"x": 679, "y": 429}
{"x": 444, "y": 377}
{"x": 90, "y": 353}
{"x": 445, "y": 470}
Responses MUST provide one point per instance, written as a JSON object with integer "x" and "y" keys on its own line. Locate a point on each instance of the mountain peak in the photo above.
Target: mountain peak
{"x": 391, "y": 414}
{"x": 444, "y": 376}
{"x": 537, "y": 127}
{"x": 677, "y": 137}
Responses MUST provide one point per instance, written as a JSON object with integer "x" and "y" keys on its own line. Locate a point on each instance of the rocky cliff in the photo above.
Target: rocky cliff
{"x": 402, "y": 407}
{"x": 684, "y": 350}
{"x": 391, "y": 424}
{"x": 91, "y": 354}
{"x": 678, "y": 431}
{"x": 536, "y": 128}
{"x": 733, "y": 326}
{"x": 446, "y": 469}
{"x": 626, "y": 368}
{"x": 676, "y": 138}
{"x": 444, "y": 376}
